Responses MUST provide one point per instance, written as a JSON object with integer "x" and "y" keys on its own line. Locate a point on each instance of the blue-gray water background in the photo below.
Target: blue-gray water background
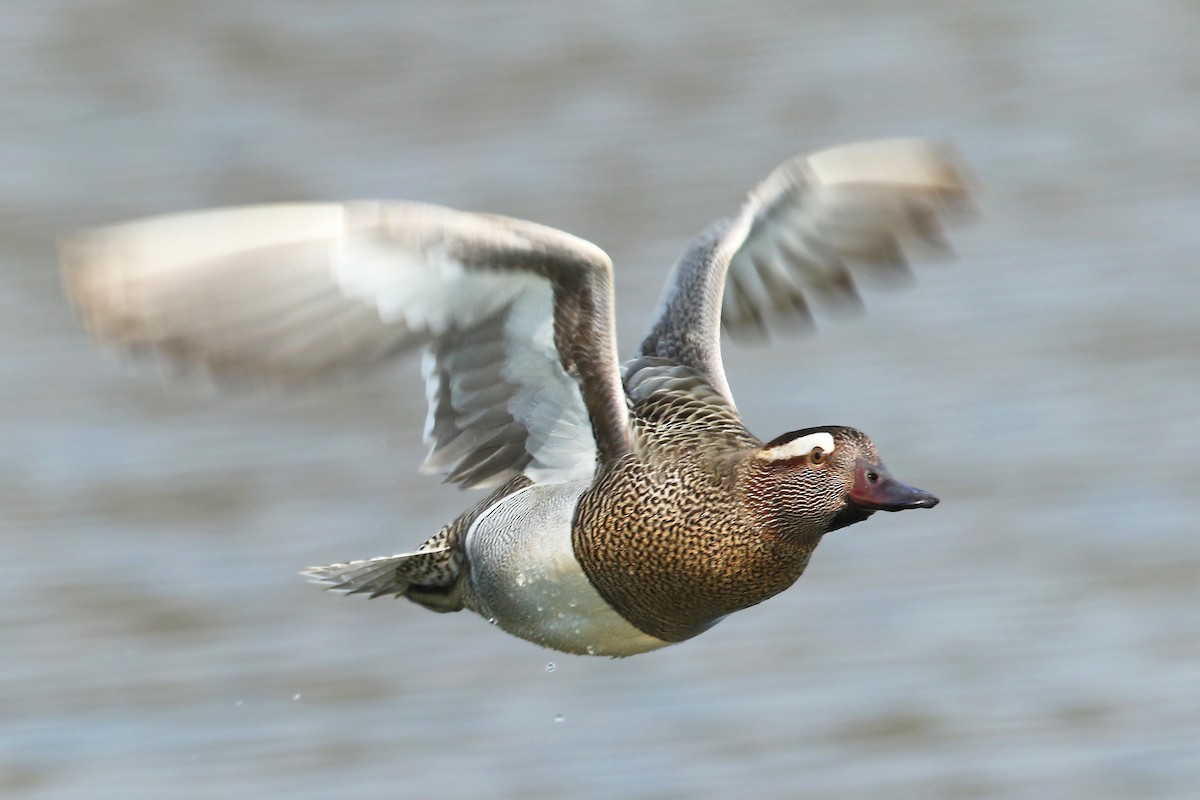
{"x": 1036, "y": 636}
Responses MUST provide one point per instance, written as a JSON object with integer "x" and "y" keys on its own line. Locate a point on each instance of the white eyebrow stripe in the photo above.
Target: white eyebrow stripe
{"x": 800, "y": 446}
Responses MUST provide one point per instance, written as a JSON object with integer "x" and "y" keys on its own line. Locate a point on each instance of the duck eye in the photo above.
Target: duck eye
{"x": 816, "y": 455}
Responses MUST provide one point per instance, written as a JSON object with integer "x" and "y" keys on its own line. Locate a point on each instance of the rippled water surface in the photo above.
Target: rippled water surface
{"x": 1037, "y": 636}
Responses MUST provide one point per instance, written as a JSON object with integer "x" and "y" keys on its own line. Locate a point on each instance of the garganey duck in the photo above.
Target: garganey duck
{"x": 630, "y": 506}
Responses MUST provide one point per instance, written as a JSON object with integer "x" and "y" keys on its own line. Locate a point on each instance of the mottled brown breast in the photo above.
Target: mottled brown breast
{"x": 666, "y": 537}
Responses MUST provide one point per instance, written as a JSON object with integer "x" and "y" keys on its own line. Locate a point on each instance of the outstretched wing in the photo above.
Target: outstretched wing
{"x": 795, "y": 238}
{"x": 517, "y": 319}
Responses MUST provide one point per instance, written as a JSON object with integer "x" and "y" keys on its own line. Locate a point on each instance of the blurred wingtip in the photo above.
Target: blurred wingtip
{"x": 86, "y": 280}
{"x": 929, "y": 163}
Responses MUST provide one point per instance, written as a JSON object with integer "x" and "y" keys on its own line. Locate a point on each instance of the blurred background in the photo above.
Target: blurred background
{"x": 1037, "y": 636}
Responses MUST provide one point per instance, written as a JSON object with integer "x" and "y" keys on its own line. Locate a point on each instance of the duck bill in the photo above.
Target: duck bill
{"x": 875, "y": 489}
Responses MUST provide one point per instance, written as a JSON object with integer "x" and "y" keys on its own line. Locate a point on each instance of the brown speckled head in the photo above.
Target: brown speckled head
{"x": 811, "y": 481}
{"x": 798, "y": 484}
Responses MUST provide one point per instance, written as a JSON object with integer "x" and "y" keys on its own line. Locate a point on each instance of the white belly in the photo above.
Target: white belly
{"x": 525, "y": 578}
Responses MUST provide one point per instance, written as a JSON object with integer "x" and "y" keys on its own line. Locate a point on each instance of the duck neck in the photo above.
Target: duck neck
{"x": 781, "y": 510}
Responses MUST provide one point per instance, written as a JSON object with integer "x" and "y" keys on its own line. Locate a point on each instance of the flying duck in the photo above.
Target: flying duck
{"x": 630, "y": 507}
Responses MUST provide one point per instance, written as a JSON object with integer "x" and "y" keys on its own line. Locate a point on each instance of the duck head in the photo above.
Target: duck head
{"x": 812, "y": 481}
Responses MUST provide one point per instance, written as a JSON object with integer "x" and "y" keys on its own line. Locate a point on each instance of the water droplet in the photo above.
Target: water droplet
{"x": 591, "y": 650}
{"x": 296, "y": 696}
{"x": 559, "y": 718}
{"x": 550, "y": 667}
